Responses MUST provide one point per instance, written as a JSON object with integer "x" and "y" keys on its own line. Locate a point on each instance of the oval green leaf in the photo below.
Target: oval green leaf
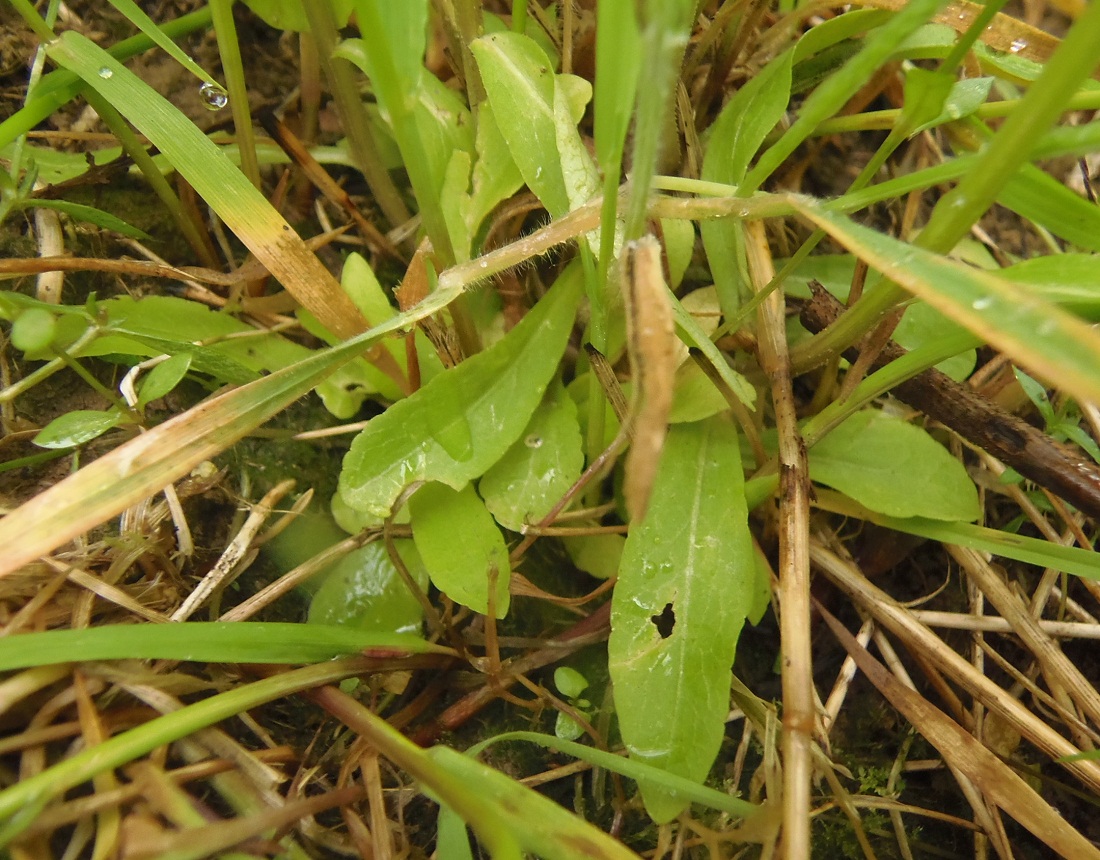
{"x": 77, "y": 427}
{"x": 685, "y": 586}
{"x": 463, "y": 421}
{"x": 524, "y": 484}
{"x": 460, "y": 546}
{"x": 894, "y": 468}
{"x": 364, "y": 590}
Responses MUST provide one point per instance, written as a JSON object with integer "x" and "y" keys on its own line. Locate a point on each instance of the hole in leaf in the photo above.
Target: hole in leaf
{"x": 664, "y": 621}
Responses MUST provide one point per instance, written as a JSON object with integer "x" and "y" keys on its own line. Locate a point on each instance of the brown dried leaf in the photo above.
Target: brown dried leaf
{"x": 651, "y": 342}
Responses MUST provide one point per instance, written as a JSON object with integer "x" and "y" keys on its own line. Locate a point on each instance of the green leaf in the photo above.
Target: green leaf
{"x": 618, "y": 62}
{"x": 461, "y": 546}
{"x": 34, "y": 331}
{"x": 519, "y": 82}
{"x": 364, "y": 590}
{"x": 1041, "y": 198}
{"x": 695, "y": 396}
{"x": 163, "y": 378}
{"x": 1064, "y": 279}
{"x": 520, "y": 819}
{"x": 495, "y": 174}
{"x": 689, "y": 790}
{"x": 569, "y": 681}
{"x": 925, "y": 93}
{"x": 964, "y": 99}
{"x": 463, "y": 421}
{"x": 289, "y": 14}
{"x": 77, "y": 427}
{"x": 597, "y": 555}
{"x": 524, "y": 484}
{"x": 89, "y": 215}
{"x": 685, "y": 586}
{"x": 201, "y": 641}
{"x": 894, "y": 468}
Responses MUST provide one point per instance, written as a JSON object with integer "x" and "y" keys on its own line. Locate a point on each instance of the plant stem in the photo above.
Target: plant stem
{"x": 161, "y": 187}
{"x": 341, "y": 77}
{"x": 233, "y": 68}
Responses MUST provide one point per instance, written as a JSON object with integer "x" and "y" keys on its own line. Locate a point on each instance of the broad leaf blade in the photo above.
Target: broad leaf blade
{"x": 894, "y": 468}
{"x": 519, "y": 81}
{"x": 463, "y": 421}
{"x": 689, "y": 565}
{"x": 461, "y": 546}
{"x": 538, "y": 469}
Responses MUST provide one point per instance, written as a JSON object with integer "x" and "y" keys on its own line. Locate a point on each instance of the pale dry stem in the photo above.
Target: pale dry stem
{"x": 794, "y": 559}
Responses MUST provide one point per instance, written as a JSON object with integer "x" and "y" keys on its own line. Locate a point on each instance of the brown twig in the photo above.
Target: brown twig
{"x": 1057, "y": 467}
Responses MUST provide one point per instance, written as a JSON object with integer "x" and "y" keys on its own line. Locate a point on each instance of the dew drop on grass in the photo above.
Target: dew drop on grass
{"x": 983, "y": 303}
{"x": 213, "y": 96}
{"x": 1017, "y": 46}
{"x": 533, "y": 441}
{"x": 106, "y": 73}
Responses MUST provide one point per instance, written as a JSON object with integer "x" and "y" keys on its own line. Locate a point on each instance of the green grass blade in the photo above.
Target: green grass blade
{"x": 207, "y": 642}
{"x": 831, "y": 95}
{"x": 143, "y": 22}
{"x": 640, "y": 772}
{"x": 216, "y": 179}
{"x": 1047, "y": 340}
{"x": 57, "y": 88}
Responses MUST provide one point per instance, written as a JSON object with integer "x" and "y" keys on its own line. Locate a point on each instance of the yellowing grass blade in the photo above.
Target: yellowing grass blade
{"x": 216, "y": 179}
{"x": 148, "y": 463}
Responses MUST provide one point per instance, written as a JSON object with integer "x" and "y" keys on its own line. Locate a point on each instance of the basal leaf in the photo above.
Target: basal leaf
{"x": 163, "y": 378}
{"x": 685, "y": 585}
{"x": 364, "y": 590}
{"x": 519, "y": 81}
{"x": 463, "y": 421}
{"x": 495, "y": 175}
{"x": 77, "y": 427}
{"x": 894, "y": 468}
{"x": 524, "y": 484}
{"x": 461, "y": 547}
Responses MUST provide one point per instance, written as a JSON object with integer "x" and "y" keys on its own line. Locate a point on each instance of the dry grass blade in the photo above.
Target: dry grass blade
{"x": 961, "y": 751}
{"x": 920, "y": 640}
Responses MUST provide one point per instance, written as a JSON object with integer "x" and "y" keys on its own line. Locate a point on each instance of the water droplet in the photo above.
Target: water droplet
{"x": 984, "y": 303}
{"x": 1017, "y": 46}
{"x": 533, "y": 441}
{"x": 213, "y": 96}
{"x": 106, "y": 73}
{"x": 483, "y": 264}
